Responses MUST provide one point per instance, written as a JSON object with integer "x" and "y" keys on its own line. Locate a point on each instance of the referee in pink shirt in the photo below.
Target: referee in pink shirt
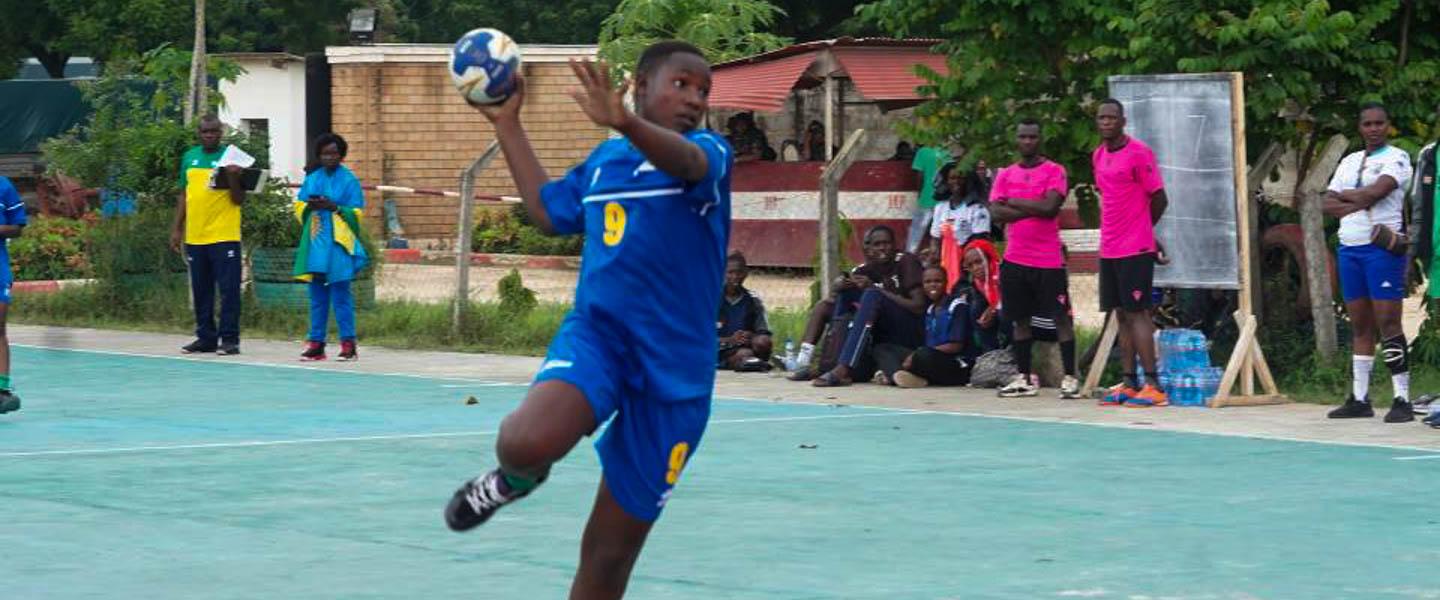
{"x": 1132, "y": 199}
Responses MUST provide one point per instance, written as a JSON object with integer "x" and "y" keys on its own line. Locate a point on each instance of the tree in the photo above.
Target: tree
{"x": 723, "y": 29}
{"x": 806, "y": 20}
{"x": 54, "y": 30}
{"x": 527, "y": 21}
{"x": 1310, "y": 59}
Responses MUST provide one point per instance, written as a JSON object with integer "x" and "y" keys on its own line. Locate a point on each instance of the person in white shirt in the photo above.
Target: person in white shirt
{"x": 1367, "y": 194}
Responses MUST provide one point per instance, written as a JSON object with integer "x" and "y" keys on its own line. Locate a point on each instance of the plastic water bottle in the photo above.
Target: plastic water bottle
{"x": 1189, "y": 390}
{"x": 789, "y": 354}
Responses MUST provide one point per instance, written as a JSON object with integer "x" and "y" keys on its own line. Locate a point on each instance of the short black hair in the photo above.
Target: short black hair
{"x": 325, "y": 139}
{"x": 1372, "y": 105}
{"x": 208, "y": 118}
{"x": 879, "y": 228}
{"x": 1117, "y": 104}
{"x": 1027, "y": 121}
{"x": 657, "y": 52}
{"x": 935, "y": 267}
{"x": 738, "y": 258}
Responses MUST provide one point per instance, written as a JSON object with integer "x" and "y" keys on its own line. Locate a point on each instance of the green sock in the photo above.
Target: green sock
{"x": 4, "y": 382}
{"x": 519, "y": 484}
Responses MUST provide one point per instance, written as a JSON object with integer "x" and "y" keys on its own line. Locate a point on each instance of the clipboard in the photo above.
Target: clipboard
{"x": 252, "y": 180}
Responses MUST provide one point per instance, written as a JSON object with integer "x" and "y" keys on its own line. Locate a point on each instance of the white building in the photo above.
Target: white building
{"x": 270, "y": 97}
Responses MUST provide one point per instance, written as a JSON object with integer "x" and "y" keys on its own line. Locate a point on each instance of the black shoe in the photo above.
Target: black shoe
{"x": 1432, "y": 420}
{"x": 1353, "y": 409}
{"x": 9, "y": 402}
{"x": 477, "y": 500}
{"x": 198, "y": 346}
{"x": 229, "y": 349}
{"x": 1400, "y": 412}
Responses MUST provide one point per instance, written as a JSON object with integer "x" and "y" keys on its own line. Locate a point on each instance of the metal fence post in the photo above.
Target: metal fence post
{"x": 467, "y": 226}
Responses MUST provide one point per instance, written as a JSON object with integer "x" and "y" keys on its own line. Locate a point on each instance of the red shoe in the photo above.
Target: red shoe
{"x": 347, "y": 351}
{"x": 1149, "y": 396}
{"x": 313, "y": 351}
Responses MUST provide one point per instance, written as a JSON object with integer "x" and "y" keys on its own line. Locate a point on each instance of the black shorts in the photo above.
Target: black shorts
{"x": 1032, "y": 292}
{"x": 1125, "y": 283}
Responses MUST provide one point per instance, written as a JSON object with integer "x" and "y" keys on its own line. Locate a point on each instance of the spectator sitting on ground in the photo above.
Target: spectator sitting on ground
{"x": 982, "y": 264}
{"x": 895, "y": 272}
{"x": 961, "y": 215}
{"x": 748, "y": 140}
{"x": 890, "y": 320}
{"x": 745, "y": 342}
{"x": 950, "y": 346}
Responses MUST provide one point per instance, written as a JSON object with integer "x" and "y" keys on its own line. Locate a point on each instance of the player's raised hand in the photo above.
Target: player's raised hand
{"x": 601, "y": 101}
{"x": 509, "y": 110}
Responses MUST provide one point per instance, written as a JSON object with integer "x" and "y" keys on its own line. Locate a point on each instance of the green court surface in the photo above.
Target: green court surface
{"x": 136, "y": 477}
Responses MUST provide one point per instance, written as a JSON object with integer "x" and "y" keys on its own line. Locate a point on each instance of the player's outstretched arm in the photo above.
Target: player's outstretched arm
{"x": 669, "y": 151}
{"x": 525, "y": 167}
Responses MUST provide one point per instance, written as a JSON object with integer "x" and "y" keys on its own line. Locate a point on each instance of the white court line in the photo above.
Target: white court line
{"x": 372, "y": 438}
{"x": 227, "y": 361}
{"x": 1421, "y": 457}
{"x": 1052, "y": 420}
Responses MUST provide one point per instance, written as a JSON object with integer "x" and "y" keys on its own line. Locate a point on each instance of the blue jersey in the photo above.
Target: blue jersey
{"x": 654, "y": 258}
{"x": 12, "y": 212}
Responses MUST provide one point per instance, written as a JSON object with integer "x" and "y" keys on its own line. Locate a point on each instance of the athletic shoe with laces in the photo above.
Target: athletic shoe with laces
{"x": 1020, "y": 386}
{"x": 198, "y": 347}
{"x": 1069, "y": 388}
{"x": 228, "y": 349}
{"x": 313, "y": 351}
{"x": 1400, "y": 412}
{"x": 1353, "y": 409}
{"x": 347, "y": 351}
{"x": 9, "y": 402}
{"x": 1148, "y": 396}
{"x": 1117, "y": 394}
{"x": 477, "y": 500}
{"x": 1433, "y": 420}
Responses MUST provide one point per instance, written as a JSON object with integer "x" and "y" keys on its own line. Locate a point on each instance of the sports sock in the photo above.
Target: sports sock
{"x": 1132, "y": 381}
{"x": 5, "y": 382}
{"x": 1360, "y": 367}
{"x": 1022, "y": 355}
{"x": 1397, "y": 357}
{"x": 1067, "y": 357}
{"x": 517, "y": 483}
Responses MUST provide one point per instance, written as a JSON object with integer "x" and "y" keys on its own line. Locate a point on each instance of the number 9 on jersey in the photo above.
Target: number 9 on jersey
{"x": 614, "y": 223}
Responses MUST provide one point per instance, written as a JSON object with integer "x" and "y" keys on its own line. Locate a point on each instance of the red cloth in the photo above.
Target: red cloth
{"x": 952, "y": 256}
{"x": 989, "y": 285}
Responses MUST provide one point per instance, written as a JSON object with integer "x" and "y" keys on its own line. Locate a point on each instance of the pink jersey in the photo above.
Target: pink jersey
{"x": 1126, "y": 178}
{"x": 1032, "y": 241}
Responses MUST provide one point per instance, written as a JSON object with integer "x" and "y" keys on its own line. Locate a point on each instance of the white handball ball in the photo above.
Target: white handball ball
{"x": 483, "y": 65}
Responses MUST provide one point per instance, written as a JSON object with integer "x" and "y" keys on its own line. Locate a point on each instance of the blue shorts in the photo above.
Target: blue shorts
{"x": 5, "y": 284}
{"x": 1370, "y": 272}
{"x": 649, "y": 441}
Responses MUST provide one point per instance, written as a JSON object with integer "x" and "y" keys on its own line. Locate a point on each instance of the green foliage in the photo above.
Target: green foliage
{"x": 1425, "y": 348}
{"x": 528, "y": 21}
{"x": 515, "y": 298}
{"x": 723, "y": 29}
{"x": 510, "y": 232}
{"x": 52, "y": 248}
{"x": 134, "y": 140}
{"x": 137, "y": 244}
{"x": 268, "y": 220}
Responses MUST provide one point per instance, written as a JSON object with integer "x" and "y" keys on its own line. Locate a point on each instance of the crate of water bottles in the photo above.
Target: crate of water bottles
{"x": 1185, "y": 371}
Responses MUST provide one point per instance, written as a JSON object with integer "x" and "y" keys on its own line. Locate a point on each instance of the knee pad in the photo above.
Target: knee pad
{"x": 1396, "y": 354}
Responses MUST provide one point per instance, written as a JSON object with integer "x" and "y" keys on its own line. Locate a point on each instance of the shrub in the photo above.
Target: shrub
{"x": 510, "y": 232}
{"x": 515, "y": 298}
{"x": 52, "y": 248}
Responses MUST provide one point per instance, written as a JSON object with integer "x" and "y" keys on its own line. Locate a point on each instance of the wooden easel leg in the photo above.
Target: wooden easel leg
{"x": 1102, "y": 354}
{"x": 1238, "y": 356}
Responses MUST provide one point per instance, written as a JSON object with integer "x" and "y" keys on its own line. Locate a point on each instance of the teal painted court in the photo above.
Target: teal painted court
{"x": 140, "y": 477}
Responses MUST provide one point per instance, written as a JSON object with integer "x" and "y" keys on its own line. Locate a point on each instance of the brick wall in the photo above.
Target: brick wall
{"x": 407, "y": 126}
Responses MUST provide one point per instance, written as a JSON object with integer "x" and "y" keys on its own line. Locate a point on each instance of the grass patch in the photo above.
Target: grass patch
{"x": 161, "y": 304}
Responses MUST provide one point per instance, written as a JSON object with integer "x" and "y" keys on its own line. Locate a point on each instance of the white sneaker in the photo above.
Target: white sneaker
{"x": 1069, "y": 388}
{"x": 1019, "y": 386}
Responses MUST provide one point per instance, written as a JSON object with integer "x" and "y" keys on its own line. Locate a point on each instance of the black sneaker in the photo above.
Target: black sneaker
{"x": 9, "y": 402}
{"x": 1353, "y": 409}
{"x": 229, "y": 349}
{"x": 477, "y": 500}
{"x": 198, "y": 347}
{"x": 1432, "y": 420}
{"x": 1400, "y": 412}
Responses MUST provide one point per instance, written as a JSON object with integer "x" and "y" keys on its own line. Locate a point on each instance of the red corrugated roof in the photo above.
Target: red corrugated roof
{"x": 883, "y": 70}
{"x": 888, "y": 74}
{"x": 762, "y": 86}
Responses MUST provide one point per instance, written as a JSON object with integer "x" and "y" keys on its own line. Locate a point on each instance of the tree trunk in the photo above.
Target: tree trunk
{"x": 1312, "y": 224}
{"x": 1405, "y": 33}
{"x": 196, "y": 102}
{"x": 54, "y": 62}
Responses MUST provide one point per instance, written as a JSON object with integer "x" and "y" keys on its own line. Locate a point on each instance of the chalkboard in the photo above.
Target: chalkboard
{"x": 1186, "y": 120}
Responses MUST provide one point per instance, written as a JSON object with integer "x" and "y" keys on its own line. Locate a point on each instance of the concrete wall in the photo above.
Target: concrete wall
{"x": 272, "y": 89}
